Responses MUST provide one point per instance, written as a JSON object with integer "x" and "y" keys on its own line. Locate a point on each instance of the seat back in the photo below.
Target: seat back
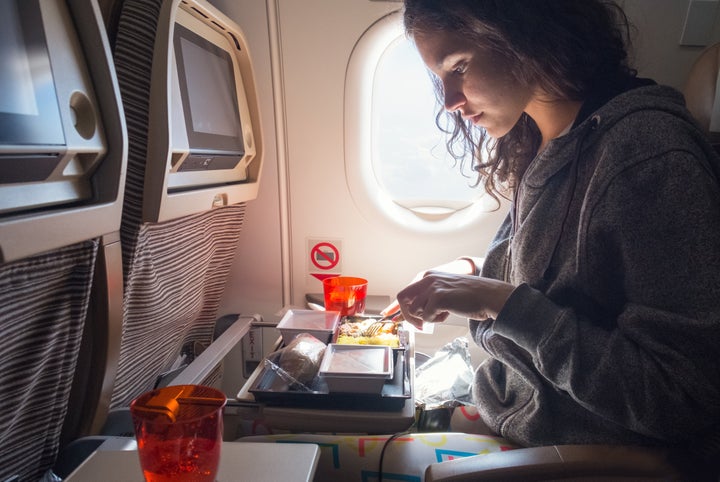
{"x": 174, "y": 271}
{"x": 43, "y": 303}
{"x": 51, "y": 253}
{"x": 175, "y": 276}
{"x": 702, "y": 93}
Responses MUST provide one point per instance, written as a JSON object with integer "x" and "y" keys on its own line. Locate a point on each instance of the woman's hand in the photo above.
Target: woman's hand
{"x": 464, "y": 265}
{"x": 435, "y": 296}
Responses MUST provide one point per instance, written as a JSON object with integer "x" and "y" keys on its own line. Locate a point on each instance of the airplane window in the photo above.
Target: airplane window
{"x": 408, "y": 150}
{"x": 396, "y": 161}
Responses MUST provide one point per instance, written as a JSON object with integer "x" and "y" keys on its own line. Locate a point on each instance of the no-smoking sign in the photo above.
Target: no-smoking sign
{"x": 324, "y": 258}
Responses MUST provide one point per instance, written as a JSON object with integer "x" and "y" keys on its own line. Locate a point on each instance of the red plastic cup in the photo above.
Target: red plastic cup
{"x": 179, "y": 433}
{"x": 345, "y": 294}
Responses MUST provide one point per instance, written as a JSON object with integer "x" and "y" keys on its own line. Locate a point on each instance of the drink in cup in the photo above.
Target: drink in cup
{"x": 345, "y": 294}
{"x": 179, "y": 433}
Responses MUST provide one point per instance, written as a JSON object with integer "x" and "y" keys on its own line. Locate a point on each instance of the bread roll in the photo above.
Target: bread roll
{"x": 301, "y": 358}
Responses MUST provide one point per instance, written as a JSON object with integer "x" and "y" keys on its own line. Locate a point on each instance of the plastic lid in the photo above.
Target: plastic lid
{"x": 357, "y": 361}
{"x": 178, "y": 402}
{"x": 309, "y": 320}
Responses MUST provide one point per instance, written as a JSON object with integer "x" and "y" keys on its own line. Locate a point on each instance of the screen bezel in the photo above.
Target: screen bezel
{"x": 46, "y": 127}
{"x": 204, "y": 142}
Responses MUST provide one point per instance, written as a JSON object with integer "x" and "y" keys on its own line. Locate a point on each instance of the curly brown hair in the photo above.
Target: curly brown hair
{"x": 567, "y": 48}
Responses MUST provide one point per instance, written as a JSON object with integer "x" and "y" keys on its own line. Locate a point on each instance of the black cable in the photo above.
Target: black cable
{"x": 382, "y": 452}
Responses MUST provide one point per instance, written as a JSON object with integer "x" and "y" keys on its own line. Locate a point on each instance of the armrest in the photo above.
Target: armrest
{"x": 558, "y": 462}
{"x": 119, "y": 421}
{"x": 204, "y": 363}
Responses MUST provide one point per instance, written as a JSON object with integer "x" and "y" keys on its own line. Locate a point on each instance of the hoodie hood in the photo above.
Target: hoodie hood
{"x": 574, "y": 170}
{"x": 597, "y": 116}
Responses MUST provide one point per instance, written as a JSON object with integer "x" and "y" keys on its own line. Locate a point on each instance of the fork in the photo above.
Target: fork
{"x": 376, "y": 326}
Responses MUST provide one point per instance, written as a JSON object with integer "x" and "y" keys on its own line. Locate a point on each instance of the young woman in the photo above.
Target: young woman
{"x": 599, "y": 298}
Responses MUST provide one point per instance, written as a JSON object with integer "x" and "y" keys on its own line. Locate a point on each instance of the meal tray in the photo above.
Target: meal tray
{"x": 271, "y": 389}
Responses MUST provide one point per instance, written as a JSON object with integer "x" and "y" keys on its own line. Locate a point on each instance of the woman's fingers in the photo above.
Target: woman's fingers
{"x": 437, "y": 295}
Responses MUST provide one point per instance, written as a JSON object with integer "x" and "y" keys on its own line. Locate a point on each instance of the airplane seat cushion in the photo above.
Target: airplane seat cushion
{"x": 40, "y": 352}
{"x": 403, "y": 456}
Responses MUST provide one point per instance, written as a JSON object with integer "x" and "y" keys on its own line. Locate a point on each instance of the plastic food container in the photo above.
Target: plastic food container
{"x": 352, "y": 330}
{"x": 320, "y": 324}
{"x": 356, "y": 368}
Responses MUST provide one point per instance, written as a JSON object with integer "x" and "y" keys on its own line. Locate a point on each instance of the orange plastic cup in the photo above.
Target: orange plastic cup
{"x": 345, "y": 294}
{"x": 179, "y": 433}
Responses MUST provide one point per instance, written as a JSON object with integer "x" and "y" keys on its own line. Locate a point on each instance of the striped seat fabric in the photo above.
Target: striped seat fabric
{"x": 176, "y": 277}
{"x": 43, "y": 304}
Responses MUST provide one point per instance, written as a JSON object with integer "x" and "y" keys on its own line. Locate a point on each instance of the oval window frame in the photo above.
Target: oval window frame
{"x": 366, "y": 192}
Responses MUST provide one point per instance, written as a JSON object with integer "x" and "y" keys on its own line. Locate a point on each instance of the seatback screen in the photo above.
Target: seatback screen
{"x": 207, "y": 85}
{"x": 29, "y": 113}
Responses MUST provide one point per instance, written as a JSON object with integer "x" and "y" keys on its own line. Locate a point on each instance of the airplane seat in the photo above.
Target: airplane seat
{"x": 175, "y": 270}
{"x": 702, "y": 94}
{"x": 53, "y": 250}
{"x": 464, "y": 456}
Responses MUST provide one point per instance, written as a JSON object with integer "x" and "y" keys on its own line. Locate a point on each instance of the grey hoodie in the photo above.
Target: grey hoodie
{"x": 613, "y": 332}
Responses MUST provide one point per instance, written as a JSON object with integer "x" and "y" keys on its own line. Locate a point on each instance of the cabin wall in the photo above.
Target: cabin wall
{"x": 303, "y": 195}
{"x": 659, "y": 26}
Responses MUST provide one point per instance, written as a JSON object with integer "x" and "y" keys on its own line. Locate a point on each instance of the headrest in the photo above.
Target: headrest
{"x": 702, "y": 90}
